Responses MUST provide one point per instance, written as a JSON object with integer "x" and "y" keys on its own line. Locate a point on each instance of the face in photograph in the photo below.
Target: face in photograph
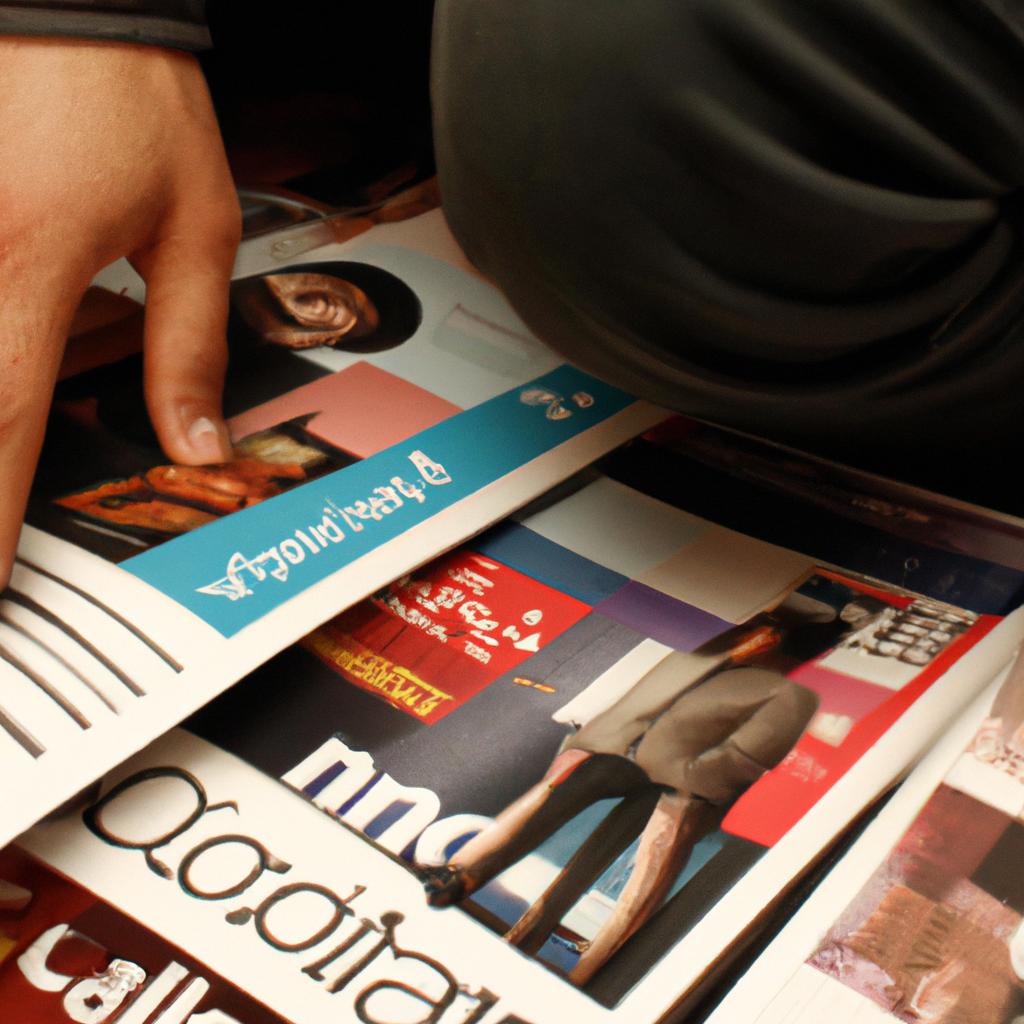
{"x": 354, "y": 307}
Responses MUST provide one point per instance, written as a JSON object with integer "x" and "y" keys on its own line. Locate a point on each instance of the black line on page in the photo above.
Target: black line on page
{"x": 58, "y": 657}
{"x": 20, "y": 734}
{"x": 36, "y": 679}
{"x": 44, "y": 613}
{"x": 131, "y": 627}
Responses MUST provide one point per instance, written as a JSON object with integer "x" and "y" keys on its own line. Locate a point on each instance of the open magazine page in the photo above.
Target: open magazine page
{"x": 921, "y": 920}
{"x": 385, "y": 404}
{"x": 556, "y": 773}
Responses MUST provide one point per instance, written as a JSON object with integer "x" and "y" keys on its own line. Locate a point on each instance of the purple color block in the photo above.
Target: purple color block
{"x": 662, "y": 618}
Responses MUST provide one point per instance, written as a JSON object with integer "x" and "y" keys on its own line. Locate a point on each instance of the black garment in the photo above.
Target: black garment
{"x": 797, "y": 218}
{"x": 176, "y": 23}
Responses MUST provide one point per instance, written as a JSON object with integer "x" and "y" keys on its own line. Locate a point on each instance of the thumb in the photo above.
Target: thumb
{"x": 187, "y": 280}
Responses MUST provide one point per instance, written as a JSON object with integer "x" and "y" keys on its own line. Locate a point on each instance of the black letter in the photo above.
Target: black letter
{"x": 265, "y": 861}
{"x": 93, "y": 822}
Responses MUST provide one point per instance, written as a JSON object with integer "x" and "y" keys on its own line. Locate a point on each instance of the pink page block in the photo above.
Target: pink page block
{"x": 360, "y": 409}
{"x": 840, "y": 694}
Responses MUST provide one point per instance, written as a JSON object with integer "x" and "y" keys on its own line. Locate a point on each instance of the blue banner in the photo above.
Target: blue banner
{"x": 235, "y": 570}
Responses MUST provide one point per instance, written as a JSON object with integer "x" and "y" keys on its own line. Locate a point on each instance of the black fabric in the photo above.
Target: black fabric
{"x": 798, "y": 219}
{"x": 175, "y": 23}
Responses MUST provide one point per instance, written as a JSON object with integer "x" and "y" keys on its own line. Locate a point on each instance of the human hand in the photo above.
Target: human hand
{"x": 110, "y": 150}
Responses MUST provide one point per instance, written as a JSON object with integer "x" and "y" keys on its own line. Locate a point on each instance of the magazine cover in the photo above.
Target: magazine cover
{"x": 922, "y": 920}
{"x": 560, "y": 770}
{"x": 385, "y": 403}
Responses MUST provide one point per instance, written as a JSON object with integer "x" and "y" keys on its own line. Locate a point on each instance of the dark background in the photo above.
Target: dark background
{"x": 328, "y": 98}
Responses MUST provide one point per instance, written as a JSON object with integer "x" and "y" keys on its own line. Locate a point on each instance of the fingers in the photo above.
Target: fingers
{"x": 187, "y": 275}
{"x": 32, "y": 335}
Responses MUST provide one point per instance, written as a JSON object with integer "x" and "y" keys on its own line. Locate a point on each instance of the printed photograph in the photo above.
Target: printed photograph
{"x": 936, "y": 933}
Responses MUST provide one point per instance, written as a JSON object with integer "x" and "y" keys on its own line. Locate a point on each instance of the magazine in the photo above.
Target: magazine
{"x": 558, "y": 772}
{"x": 921, "y": 920}
{"x": 385, "y": 404}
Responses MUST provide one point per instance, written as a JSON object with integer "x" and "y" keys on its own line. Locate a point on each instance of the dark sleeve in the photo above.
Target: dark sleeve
{"x": 180, "y": 24}
{"x": 798, "y": 218}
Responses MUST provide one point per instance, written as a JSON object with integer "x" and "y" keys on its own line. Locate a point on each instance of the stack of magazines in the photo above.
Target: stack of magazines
{"x": 475, "y": 691}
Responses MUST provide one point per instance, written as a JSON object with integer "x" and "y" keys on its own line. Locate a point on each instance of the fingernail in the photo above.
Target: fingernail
{"x": 208, "y": 440}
